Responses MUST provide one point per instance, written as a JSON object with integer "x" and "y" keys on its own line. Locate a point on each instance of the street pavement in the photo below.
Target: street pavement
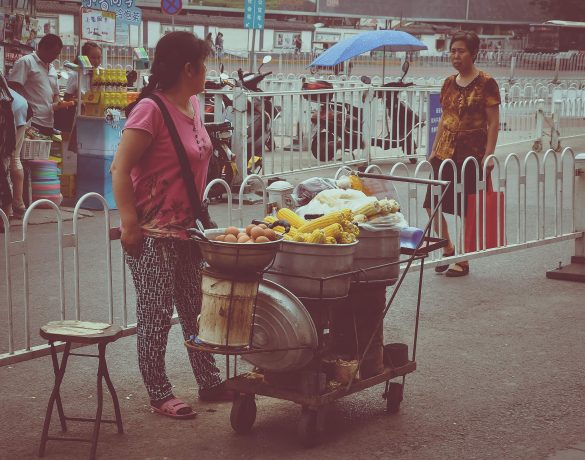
{"x": 500, "y": 370}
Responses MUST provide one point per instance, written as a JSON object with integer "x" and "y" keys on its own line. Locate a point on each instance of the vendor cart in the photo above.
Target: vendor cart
{"x": 297, "y": 369}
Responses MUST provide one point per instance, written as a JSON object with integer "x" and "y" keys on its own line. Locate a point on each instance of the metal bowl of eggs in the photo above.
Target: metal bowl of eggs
{"x": 240, "y": 250}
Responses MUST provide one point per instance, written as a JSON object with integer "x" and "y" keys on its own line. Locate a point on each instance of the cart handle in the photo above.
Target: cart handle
{"x": 442, "y": 183}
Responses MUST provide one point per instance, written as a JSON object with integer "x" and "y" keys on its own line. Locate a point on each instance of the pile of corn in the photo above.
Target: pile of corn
{"x": 333, "y": 228}
{"x": 375, "y": 209}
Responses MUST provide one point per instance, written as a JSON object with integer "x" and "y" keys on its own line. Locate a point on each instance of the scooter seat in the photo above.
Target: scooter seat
{"x": 214, "y": 127}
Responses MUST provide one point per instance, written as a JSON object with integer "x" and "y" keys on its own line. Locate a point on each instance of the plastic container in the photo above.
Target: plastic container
{"x": 410, "y": 237}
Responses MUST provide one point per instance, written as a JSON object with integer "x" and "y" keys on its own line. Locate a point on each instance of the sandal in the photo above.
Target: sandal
{"x": 444, "y": 268}
{"x": 173, "y": 408}
{"x": 457, "y": 269}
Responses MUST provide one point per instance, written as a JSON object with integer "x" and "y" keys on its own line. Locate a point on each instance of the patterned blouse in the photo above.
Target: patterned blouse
{"x": 464, "y": 119}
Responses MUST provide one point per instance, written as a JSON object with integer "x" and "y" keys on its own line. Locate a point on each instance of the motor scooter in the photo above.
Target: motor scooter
{"x": 261, "y": 114}
{"x": 335, "y": 125}
{"x": 222, "y": 164}
{"x": 400, "y": 119}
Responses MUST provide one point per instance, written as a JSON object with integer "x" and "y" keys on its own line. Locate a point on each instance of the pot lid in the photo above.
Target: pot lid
{"x": 281, "y": 321}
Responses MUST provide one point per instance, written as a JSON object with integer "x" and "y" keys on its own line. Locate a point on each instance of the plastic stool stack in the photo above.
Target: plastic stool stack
{"x": 45, "y": 182}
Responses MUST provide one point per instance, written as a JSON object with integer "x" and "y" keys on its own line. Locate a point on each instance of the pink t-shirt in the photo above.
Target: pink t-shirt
{"x": 161, "y": 197}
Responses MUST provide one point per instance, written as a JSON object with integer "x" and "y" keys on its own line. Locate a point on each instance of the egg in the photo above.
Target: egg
{"x": 256, "y": 232}
{"x": 264, "y": 226}
{"x": 239, "y": 235}
{"x": 232, "y": 231}
{"x": 270, "y": 234}
{"x": 243, "y": 239}
{"x": 261, "y": 239}
{"x": 231, "y": 238}
{"x": 220, "y": 238}
{"x": 249, "y": 228}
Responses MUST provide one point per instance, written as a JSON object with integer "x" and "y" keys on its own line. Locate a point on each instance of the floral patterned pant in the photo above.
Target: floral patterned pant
{"x": 167, "y": 273}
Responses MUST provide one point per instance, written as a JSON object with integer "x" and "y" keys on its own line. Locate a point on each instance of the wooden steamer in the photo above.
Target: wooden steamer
{"x": 227, "y": 308}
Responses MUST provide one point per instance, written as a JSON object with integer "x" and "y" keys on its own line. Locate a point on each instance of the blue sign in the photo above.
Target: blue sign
{"x": 171, "y": 6}
{"x": 434, "y": 116}
{"x": 254, "y": 12}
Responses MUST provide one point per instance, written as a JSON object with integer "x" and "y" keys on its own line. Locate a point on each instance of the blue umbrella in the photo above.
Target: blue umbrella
{"x": 388, "y": 40}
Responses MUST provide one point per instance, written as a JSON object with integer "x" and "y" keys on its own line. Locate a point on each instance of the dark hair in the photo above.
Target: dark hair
{"x": 470, "y": 39}
{"x": 87, "y": 46}
{"x": 171, "y": 54}
{"x": 50, "y": 40}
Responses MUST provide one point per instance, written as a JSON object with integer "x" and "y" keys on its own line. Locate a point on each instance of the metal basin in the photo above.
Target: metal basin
{"x": 237, "y": 258}
{"x": 302, "y": 268}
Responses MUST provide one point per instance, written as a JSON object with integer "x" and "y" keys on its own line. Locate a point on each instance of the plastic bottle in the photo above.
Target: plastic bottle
{"x": 410, "y": 237}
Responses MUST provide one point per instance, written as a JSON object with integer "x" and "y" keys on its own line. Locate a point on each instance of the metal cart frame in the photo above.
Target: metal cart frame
{"x": 310, "y": 426}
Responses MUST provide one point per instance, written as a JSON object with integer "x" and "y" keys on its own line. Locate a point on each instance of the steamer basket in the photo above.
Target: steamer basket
{"x": 377, "y": 248}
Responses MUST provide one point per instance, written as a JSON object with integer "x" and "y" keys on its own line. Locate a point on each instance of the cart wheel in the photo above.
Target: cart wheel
{"x": 310, "y": 427}
{"x": 243, "y": 414}
{"x": 393, "y": 397}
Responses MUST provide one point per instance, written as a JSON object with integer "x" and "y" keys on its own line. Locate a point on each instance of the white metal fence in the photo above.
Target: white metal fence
{"x": 539, "y": 208}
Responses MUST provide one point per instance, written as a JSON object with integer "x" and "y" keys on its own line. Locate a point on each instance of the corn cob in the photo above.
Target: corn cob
{"x": 291, "y": 217}
{"x": 355, "y": 182}
{"x": 335, "y": 217}
{"x": 330, "y": 240}
{"x": 389, "y": 206}
{"x": 346, "y": 238}
{"x": 349, "y": 227}
{"x": 270, "y": 219}
{"x": 317, "y": 236}
{"x": 360, "y": 218}
{"x": 287, "y": 237}
{"x": 333, "y": 230}
{"x": 373, "y": 207}
{"x": 300, "y": 237}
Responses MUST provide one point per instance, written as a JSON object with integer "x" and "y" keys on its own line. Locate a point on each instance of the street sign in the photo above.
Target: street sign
{"x": 434, "y": 112}
{"x": 254, "y": 12}
{"x": 108, "y": 5}
{"x": 98, "y": 25}
{"x": 132, "y": 15}
{"x": 171, "y": 6}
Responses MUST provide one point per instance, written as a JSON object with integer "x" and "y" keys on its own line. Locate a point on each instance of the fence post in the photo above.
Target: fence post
{"x": 576, "y": 270}
{"x": 555, "y": 141}
{"x": 240, "y": 135}
{"x": 557, "y": 68}
{"x": 512, "y": 68}
{"x": 280, "y": 63}
{"x": 537, "y": 145}
{"x": 368, "y": 123}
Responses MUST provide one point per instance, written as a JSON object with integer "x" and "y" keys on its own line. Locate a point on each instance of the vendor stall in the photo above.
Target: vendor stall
{"x": 302, "y": 298}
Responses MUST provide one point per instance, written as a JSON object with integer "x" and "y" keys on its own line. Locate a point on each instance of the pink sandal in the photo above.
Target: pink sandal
{"x": 172, "y": 407}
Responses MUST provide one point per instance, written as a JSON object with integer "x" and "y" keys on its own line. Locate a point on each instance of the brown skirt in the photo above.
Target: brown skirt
{"x": 448, "y": 202}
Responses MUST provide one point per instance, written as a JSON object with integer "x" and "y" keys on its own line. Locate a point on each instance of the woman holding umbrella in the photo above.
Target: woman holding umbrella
{"x": 468, "y": 127}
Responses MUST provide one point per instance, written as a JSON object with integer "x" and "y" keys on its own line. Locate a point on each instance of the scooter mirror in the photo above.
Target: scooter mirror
{"x": 222, "y": 70}
{"x": 366, "y": 80}
{"x": 266, "y": 59}
{"x": 405, "y": 67}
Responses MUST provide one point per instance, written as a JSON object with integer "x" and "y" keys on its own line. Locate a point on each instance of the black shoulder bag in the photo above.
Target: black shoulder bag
{"x": 199, "y": 209}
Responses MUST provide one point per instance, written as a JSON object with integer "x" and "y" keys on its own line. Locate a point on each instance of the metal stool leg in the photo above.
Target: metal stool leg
{"x": 114, "y": 396}
{"x": 60, "y": 372}
{"x": 100, "y": 401}
{"x": 62, "y": 417}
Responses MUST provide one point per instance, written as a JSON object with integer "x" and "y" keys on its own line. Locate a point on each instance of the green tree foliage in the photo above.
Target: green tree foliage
{"x": 568, "y": 10}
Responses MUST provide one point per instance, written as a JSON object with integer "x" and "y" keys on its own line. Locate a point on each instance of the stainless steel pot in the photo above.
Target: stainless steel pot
{"x": 377, "y": 247}
{"x": 301, "y": 268}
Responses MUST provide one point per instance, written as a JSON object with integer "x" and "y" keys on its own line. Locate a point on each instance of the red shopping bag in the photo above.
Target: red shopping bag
{"x": 491, "y": 226}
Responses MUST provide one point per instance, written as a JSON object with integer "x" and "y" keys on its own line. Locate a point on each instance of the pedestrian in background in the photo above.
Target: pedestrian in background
{"x": 209, "y": 40}
{"x": 298, "y": 42}
{"x": 35, "y": 78}
{"x": 93, "y": 51}
{"x": 219, "y": 44}
{"x": 155, "y": 212}
{"x": 468, "y": 127}
{"x": 7, "y": 144}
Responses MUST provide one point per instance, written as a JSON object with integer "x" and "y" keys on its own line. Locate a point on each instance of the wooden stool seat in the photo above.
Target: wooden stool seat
{"x": 86, "y": 333}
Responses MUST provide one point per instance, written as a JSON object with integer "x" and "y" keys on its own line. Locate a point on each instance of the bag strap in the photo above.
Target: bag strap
{"x": 186, "y": 171}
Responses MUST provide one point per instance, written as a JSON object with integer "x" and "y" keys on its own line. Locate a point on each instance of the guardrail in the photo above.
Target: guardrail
{"x": 540, "y": 205}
